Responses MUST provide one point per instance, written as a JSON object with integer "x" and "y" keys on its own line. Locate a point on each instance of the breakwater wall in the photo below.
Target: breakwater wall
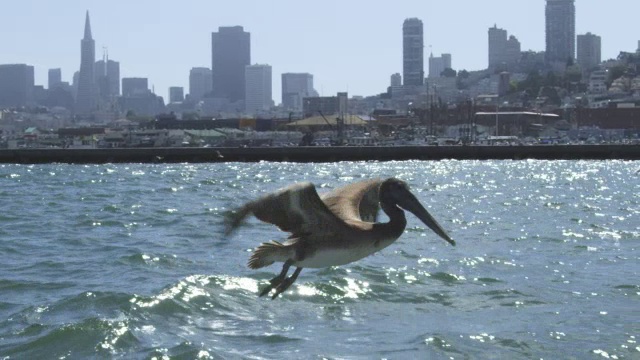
{"x": 318, "y": 154}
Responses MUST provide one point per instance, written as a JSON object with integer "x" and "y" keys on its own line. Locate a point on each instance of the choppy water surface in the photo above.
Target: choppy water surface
{"x": 127, "y": 261}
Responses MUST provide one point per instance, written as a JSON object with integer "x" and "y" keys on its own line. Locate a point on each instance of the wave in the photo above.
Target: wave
{"x": 93, "y": 323}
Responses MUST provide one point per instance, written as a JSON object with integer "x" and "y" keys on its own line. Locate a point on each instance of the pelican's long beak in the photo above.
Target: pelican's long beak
{"x": 411, "y": 203}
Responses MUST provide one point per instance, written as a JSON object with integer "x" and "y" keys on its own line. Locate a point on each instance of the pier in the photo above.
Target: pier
{"x": 318, "y": 154}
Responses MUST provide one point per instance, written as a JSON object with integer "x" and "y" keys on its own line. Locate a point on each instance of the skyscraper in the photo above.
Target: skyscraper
{"x": 438, "y": 64}
{"x": 16, "y": 85}
{"x": 132, "y": 87}
{"x": 396, "y": 79}
{"x": 107, "y": 77}
{"x": 231, "y": 52}
{"x": 503, "y": 51}
{"x": 497, "y": 46}
{"x": 258, "y": 96}
{"x": 55, "y": 78}
{"x": 560, "y": 18}
{"x": 413, "y": 52}
{"x": 295, "y": 87}
{"x": 138, "y": 99}
{"x": 200, "y": 83}
{"x": 513, "y": 50}
{"x": 86, "y": 97}
{"x": 176, "y": 94}
{"x": 589, "y": 51}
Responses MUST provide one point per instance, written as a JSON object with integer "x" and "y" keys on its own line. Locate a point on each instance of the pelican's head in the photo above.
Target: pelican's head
{"x": 397, "y": 192}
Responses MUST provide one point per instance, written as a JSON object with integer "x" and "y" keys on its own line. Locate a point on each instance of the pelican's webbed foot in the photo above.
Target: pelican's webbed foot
{"x": 284, "y": 284}
{"x": 276, "y": 281}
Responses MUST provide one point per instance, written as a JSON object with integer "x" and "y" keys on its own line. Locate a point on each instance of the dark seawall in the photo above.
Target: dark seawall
{"x": 318, "y": 154}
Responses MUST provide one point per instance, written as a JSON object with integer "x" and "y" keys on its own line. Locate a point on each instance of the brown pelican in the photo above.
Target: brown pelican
{"x": 336, "y": 228}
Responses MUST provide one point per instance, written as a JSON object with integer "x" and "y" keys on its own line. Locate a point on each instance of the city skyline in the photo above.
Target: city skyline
{"x": 163, "y": 45}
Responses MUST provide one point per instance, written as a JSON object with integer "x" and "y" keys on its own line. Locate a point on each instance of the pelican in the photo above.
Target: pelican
{"x": 334, "y": 229}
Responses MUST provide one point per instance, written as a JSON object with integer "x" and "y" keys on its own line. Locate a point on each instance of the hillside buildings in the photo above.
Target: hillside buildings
{"x": 497, "y": 46}
{"x": 438, "y": 64}
{"x": 235, "y": 88}
{"x": 513, "y": 51}
{"x": 504, "y": 52}
{"x": 589, "y": 51}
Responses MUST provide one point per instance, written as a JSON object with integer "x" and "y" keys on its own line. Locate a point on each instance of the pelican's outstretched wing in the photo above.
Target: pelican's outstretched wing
{"x": 355, "y": 202}
{"x": 296, "y": 209}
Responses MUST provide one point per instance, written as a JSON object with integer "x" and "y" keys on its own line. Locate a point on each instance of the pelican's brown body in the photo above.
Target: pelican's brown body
{"x": 336, "y": 228}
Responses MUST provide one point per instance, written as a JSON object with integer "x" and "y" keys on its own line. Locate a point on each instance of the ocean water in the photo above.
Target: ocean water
{"x": 128, "y": 261}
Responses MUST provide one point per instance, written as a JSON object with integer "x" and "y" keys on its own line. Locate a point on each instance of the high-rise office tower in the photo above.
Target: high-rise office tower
{"x": 258, "y": 93}
{"x": 113, "y": 74}
{"x": 176, "y": 94}
{"x": 438, "y": 64}
{"x": 413, "y": 52}
{"x": 107, "y": 77}
{"x": 86, "y": 96}
{"x": 589, "y": 51}
{"x": 497, "y": 46}
{"x": 230, "y": 53}
{"x": 200, "y": 83}
{"x": 16, "y": 85}
{"x": 513, "y": 50}
{"x": 132, "y": 87}
{"x": 560, "y": 18}
{"x": 396, "y": 79}
{"x": 55, "y": 78}
{"x": 296, "y": 87}
{"x": 446, "y": 58}
{"x": 503, "y": 51}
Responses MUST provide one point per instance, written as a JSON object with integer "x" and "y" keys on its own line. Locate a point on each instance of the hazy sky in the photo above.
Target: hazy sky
{"x": 348, "y": 45}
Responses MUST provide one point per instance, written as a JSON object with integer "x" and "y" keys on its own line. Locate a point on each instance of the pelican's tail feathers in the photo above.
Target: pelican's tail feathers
{"x": 268, "y": 253}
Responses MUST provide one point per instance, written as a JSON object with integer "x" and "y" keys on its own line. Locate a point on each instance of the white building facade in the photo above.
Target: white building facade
{"x": 258, "y": 89}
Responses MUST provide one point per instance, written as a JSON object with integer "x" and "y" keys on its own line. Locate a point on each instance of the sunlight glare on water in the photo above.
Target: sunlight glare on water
{"x": 129, "y": 261}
